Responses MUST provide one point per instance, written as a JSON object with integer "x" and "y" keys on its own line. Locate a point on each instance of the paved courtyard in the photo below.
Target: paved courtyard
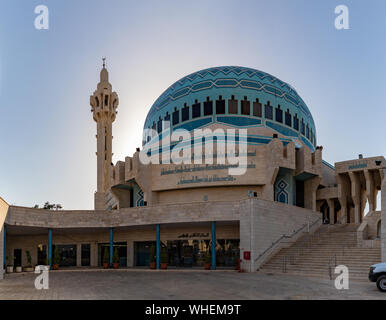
{"x": 179, "y": 284}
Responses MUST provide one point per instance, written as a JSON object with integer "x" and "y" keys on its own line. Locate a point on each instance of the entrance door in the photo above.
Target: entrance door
{"x": 42, "y": 254}
{"x": 17, "y": 257}
{"x": 142, "y": 253}
{"x": 85, "y": 257}
{"x": 122, "y": 252}
{"x": 67, "y": 255}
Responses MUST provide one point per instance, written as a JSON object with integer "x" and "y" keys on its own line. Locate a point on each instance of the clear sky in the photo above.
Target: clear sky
{"x": 47, "y": 134}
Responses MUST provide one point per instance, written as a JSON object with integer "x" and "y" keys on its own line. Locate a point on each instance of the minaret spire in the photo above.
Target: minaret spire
{"x": 104, "y": 103}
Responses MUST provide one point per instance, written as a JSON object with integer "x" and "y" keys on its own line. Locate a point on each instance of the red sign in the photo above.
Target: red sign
{"x": 247, "y": 255}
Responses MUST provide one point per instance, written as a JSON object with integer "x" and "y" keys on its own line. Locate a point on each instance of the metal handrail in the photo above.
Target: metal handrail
{"x": 297, "y": 249}
{"x": 288, "y": 237}
{"x": 335, "y": 256}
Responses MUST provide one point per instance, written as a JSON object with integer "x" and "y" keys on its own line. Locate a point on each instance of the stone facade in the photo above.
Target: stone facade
{"x": 257, "y": 223}
{"x": 267, "y": 226}
{"x": 286, "y": 190}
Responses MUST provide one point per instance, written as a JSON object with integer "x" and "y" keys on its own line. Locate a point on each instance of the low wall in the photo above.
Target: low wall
{"x": 172, "y": 213}
{"x": 262, "y": 223}
{"x": 3, "y": 214}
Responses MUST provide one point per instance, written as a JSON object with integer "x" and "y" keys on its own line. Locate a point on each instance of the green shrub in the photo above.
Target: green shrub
{"x": 152, "y": 254}
{"x": 56, "y": 256}
{"x": 29, "y": 258}
{"x": 106, "y": 258}
{"x": 116, "y": 256}
{"x": 164, "y": 255}
{"x": 207, "y": 257}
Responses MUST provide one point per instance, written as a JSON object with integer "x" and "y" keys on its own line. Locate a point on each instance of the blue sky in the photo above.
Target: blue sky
{"x": 46, "y": 77}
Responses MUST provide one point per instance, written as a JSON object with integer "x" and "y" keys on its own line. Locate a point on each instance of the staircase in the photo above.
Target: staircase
{"x": 311, "y": 256}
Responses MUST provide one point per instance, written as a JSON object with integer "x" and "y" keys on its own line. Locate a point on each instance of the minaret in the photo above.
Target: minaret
{"x": 104, "y": 104}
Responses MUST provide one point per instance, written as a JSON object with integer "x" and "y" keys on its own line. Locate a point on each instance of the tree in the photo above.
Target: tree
{"x": 152, "y": 253}
{"x": 116, "y": 256}
{"x": 164, "y": 255}
{"x": 106, "y": 256}
{"x": 49, "y": 206}
{"x": 56, "y": 256}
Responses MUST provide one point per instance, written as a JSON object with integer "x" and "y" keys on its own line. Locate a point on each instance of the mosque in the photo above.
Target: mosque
{"x": 186, "y": 215}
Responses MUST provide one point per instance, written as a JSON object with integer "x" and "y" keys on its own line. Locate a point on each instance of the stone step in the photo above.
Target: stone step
{"x": 361, "y": 271}
{"x": 368, "y": 262}
{"x": 355, "y": 277}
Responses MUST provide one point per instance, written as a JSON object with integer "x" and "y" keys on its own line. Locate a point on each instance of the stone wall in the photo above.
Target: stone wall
{"x": 172, "y": 213}
{"x": 262, "y": 223}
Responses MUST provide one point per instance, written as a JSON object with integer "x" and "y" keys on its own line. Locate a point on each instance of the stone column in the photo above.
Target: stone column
{"x": 310, "y": 188}
{"x": 94, "y": 254}
{"x": 356, "y": 196}
{"x": 371, "y": 191}
{"x": 78, "y": 255}
{"x": 343, "y": 192}
{"x": 130, "y": 254}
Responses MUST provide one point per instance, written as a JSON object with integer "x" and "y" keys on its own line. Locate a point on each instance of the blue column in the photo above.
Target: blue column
{"x": 158, "y": 246}
{"x": 50, "y": 247}
{"x": 213, "y": 245}
{"x": 111, "y": 245}
{"x": 5, "y": 246}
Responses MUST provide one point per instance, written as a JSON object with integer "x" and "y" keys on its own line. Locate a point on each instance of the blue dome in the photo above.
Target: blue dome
{"x": 272, "y": 103}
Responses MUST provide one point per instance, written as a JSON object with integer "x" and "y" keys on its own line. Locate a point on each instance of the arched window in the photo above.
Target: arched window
{"x": 220, "y": 105}
{"x": 106, "y": 100}
{"x": 208, "y": 107}
{"x": 302, "y": 127}
{"x": 245, "y": 107}
{"x": 232, "y": 106}
{"x": 257, "y": 108}
{"x": 196, "y": 109}
{"x": 279, "y": 114}
{"x": 296, "y": 122}
{"x": 185, "y": 113}
{"x": 288, "y": 118}
{"x": 159, "y": 125}
{"x": 176, "y": 116}
{"x": 268, "y": 111}
{"x": 167, "y": 120}
{"x": 308, "y": 132}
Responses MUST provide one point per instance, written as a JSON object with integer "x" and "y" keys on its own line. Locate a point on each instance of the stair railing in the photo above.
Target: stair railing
{"x": 297, "y": 250}
{"x": 308, "y": 225}
{"x": 333, "y": 260}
